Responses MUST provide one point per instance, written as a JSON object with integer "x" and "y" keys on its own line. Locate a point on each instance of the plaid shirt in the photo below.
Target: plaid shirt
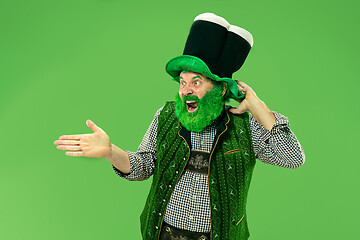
{"x": 189, "y": 205}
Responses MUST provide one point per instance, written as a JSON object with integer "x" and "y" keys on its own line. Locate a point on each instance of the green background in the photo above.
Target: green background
{"x": 63, "y": 62}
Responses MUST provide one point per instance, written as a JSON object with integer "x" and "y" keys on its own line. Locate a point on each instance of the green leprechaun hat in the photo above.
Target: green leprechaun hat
{"x": 215, "y": 49}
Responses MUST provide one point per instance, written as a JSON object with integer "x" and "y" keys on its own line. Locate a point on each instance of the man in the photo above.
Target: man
{"x": 200, "y": 152}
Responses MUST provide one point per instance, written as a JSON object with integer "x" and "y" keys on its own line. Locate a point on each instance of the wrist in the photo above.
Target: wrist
{"x": 254, "y": 103}
{"x": 110, "y": 152}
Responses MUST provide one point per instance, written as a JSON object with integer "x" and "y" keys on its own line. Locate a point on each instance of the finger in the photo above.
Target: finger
{"x": 238, "y": 110}
{"x": 71, "y": 137}
{"x": 69, "y": 148}
{"x": 93, "y": 126}
{"x": 242, "y": 89}
{"x": 241, "y": 84}
{"x": 67, "y": 142}
{"x": 75, "y": 154}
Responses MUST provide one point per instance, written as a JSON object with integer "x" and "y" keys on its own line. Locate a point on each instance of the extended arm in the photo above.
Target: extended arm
{"x": 141, "y": 162}
{"x": 119, "y": 159}
{"x": 130, "y": 165}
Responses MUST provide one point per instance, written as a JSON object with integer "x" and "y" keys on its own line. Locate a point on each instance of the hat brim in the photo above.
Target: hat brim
{"x": 191, "y": 63}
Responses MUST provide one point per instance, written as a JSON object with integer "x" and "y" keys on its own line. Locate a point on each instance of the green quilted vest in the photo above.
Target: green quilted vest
{"x": 232, "y": 161}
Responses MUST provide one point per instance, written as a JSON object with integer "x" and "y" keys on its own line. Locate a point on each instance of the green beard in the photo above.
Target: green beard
{"x": 208, "y": 109}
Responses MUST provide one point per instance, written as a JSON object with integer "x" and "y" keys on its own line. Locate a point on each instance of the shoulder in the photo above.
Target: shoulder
{"x": 166, "y": 111}
{"x": 159, "y": 111}
{"x": 168, "y": 107}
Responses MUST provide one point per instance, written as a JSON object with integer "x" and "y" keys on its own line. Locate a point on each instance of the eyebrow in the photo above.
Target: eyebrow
{"x": 193, "y": 77}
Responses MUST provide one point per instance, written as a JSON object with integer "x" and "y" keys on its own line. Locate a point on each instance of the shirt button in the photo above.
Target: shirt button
{"x": 156, "y": 227}
{"x": 164, "y": 200}
{"x": 176, "y": 172}
{"x": 169, "y": 186}
{"x": 194, "y": 197}
{"x": 159, "y": 213}
{"x": 190, "y": 217}
{"x": 184, "y": 159}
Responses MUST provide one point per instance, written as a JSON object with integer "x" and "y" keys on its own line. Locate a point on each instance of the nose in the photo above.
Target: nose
{"x": 187, "y": 91}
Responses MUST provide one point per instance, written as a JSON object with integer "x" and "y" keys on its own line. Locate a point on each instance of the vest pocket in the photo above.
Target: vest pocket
{"x": 233, "y": 151}
{"x": 240, "y": 220}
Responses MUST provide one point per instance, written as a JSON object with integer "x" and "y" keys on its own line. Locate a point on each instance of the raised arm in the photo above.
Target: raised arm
{"x": 273, "y": 141}
{"x": 254, "y": 105}
{"x": 279, "y": 146}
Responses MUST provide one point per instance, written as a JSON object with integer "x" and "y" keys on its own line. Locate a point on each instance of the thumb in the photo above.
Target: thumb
{"x": 93, "y": 126}
{"x": 239, "y": 110}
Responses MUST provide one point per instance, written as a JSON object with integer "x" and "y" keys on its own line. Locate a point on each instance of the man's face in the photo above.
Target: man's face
{"x": 193, "y": 84}
{"x": 199, "y": 101}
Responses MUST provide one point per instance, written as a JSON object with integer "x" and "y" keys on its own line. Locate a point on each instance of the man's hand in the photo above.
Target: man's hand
{"x": 253, "y": 104}
{"x": 249, "y": 100}
{"x": 95, "y": 145}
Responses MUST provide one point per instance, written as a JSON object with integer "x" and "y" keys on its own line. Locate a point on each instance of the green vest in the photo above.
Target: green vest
{"x": 232, "y": 161}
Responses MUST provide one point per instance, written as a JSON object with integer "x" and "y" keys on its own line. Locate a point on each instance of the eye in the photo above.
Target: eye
{"x": 183, "y": 83}
{"x": 197, "y": 83}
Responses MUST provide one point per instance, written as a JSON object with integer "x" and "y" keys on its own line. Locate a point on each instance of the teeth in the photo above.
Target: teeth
{"x": 191, "y": 101}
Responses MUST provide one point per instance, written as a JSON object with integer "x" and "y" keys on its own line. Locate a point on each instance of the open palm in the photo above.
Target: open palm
{"x": 95, "y": 145}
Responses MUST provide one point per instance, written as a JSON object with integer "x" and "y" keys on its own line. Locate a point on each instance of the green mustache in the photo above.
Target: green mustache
{"x": 190, "y": 98}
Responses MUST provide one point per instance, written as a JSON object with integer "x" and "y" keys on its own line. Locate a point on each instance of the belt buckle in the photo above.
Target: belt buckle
{"x": 168, "y": 229}
{"x": 202, "y": 237}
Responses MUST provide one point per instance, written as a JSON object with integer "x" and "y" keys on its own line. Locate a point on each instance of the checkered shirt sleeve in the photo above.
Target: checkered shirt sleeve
{"x": 279, "y": 146}
{"x": 142, "y": 162}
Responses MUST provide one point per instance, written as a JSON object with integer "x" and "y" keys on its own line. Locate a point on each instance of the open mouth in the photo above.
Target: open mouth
{"x": 191, "y": 106}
